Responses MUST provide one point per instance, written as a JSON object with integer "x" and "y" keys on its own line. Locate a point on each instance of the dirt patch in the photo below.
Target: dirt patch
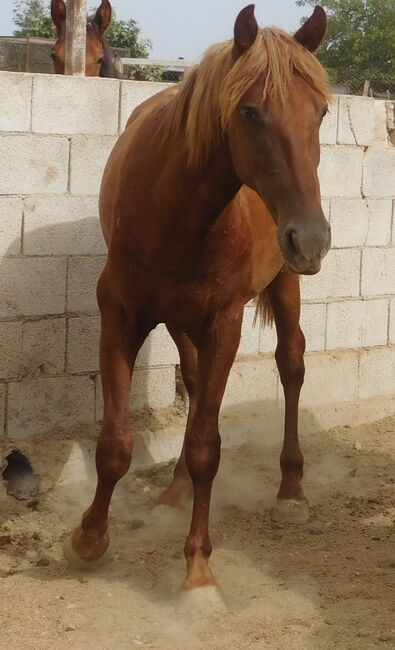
{"x": 327, "y": 584}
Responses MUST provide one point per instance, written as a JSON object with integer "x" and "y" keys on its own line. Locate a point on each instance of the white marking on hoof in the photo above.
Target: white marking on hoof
{"x": 202, "y": 601}
{"x": 77, "y": 562}
{"x": 290, "y": 511}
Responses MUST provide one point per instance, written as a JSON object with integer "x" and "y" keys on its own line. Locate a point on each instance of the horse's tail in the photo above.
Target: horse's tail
{"x": 263, "y": 310}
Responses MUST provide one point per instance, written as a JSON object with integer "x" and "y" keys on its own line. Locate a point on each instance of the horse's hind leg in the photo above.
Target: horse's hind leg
{"x": 119, "y": 344}
{"x": 284, "y": 294}
{"x": 181, "y": 486}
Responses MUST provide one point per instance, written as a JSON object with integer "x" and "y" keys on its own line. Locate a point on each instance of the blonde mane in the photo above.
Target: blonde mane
{"x": 213, "y": 89}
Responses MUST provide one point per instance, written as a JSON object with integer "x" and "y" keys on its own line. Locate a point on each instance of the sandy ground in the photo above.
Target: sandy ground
{"x": 326, "y": 584}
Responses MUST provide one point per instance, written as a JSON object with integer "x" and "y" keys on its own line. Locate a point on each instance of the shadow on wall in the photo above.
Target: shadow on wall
{"x": 50, "y": 328}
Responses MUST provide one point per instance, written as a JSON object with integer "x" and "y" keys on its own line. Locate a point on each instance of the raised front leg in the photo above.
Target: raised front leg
{"x": 284, "y": 293}
{"x": 119, "y": 345}
{"x": 217, "y": 347}
{"x": 181, "y": 486}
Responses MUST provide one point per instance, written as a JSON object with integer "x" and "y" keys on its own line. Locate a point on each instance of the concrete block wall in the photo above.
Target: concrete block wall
{"x": 55, "y": 136}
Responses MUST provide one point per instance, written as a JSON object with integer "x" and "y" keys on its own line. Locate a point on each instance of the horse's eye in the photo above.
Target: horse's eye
{"x": 250, "y": 113}
{"x": 100, "y": 61}
{"x": 53, "y": 56}
{"x": 325, "y": 111}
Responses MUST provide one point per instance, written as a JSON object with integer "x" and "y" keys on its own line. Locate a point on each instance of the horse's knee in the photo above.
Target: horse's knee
{"x": 202, "y": 451}
{"x": 289, "y": 358}
{"x": 114, "y": 453}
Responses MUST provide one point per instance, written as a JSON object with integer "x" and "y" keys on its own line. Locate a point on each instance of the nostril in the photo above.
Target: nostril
{"x": 293, "y": 242}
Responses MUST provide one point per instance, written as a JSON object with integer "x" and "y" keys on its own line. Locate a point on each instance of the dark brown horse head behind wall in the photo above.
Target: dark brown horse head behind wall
{"x": 100, "y": 61}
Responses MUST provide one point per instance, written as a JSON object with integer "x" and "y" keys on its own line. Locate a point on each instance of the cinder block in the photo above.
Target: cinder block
{"x": 44, "y": 404}
{"x": 159, "y": 349}
{"x": 252, "y": 380}
{"x": 361, "y": 222}
{"x": 36, "y": 164}
{"x": 82, "y": 277}
{"x": 89, "y": 155}
{"x": 379, "y": 172}
{"x": 249, "y": 342}
{"x": 334, "y": 160}
{"x": 62, "y": 225}
{"x": 326, "y": 204}
{"x": 381, "y": 133}
{"x": 151, "y": 388}
{"x": 338, "y": 278}
{"x": 330, "y": 378}
{"x": 328, "y": 130}
{"x": 134, "y": 93}
{"x": 3, "y": 391}
{"x": 356, "y": 120}
{"x": 357, "y": 323}
{"x": 393, "y": 223}
{"x": 392, "y": 321}
{"x": 333, "y": 179}
{"x": 10, "y": 225}
{"x": 65, "y": 104}
{"x": 376, "y": 372}
{"x": 10, "y": 349}
{"x": 83, "y": 344}
{"x": 267, "y": 339}
{"x": 32, "y": 286}
{"x": 378, "y": 276}
{"x": 313, "y": 324}
{"x": 44, "y": 346}
{"x": 15, "y": 101}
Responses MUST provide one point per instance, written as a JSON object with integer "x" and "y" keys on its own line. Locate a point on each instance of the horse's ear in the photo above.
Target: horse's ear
{"x": 311, "y": 34}
{"x": 245, "y": 31}
{"x": 58, "y": 14}
{"x": 103, "y": 16}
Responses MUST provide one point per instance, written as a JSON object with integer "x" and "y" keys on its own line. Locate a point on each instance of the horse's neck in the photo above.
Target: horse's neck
{"x": 201, "y": 195}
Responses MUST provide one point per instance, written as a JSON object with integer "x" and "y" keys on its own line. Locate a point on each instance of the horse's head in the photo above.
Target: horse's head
{"x": 280, "y": 96}
{"x": 95, "y": 30}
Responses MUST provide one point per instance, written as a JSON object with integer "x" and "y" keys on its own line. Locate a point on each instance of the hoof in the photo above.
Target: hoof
{"x": 290, "y": 511}
{"x": 202, "y": 601}
{"x": 83, "y": 551}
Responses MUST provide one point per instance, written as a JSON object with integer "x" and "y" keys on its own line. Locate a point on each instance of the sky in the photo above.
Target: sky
{"x": 187, "y": 27}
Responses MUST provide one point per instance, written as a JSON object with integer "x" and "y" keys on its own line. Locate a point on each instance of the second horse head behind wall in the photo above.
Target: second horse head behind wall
{"x": 100, "y": 60}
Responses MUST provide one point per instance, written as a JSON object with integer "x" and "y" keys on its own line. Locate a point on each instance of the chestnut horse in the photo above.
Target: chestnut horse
{"x": 209, "y": 198}
{"x": 100, "y": 60}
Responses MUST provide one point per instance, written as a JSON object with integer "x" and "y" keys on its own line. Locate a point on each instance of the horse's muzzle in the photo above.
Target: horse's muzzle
{"x": 305, "y": 247}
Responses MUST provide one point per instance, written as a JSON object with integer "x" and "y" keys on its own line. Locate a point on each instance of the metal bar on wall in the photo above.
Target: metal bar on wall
{"x": 75, "y": 37}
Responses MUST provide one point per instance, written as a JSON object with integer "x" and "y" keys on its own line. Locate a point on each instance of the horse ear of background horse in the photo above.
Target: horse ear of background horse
{"x": 103, "y": 16}
{"x": 312, "y": 32}
{"x": 58, "y": 15}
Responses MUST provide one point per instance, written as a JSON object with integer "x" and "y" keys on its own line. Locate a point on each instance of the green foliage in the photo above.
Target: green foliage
{"x": 126, "y": 34}
{"x": 360, "y": 42}
{"x": 144, "y": 72}
{"x": 32, "y": 19}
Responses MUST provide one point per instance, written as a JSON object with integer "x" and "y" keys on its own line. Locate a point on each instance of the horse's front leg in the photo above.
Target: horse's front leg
{"x": 217, "y": 347}
{"x": 284, "y": 293}
{"x": 119, "y": 344}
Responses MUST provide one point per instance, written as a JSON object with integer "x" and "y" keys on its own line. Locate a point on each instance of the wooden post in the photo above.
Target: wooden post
{"x": 366, "y": 88}
{"x": 75, "y": 37}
